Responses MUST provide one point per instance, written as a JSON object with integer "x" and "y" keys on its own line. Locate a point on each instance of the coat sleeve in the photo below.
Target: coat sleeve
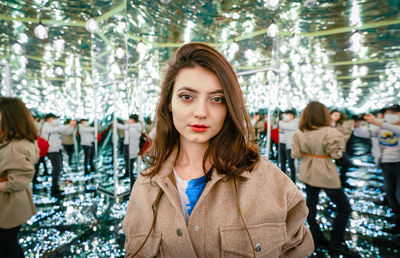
{"x": 367, "y": 131}
{"x": 334, "y": 144}
{"x": 300, "y": 242}
{"x": 57, "y": 129}
{"x": 123, "y": 127}
{"x": 391, "y": 127}
{"x": 20, "y": 168}
{"x": 86, "y": 129}
{"x": 345, "y": 128}
{"x": 296, "y": 152}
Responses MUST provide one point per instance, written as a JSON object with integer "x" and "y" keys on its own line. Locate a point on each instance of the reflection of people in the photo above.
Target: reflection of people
{"x": 42, "y": 155}
{"x": 87, "y": 141}
{"x": 210, "y": 192}
{"x": 131, "y": 144}
{"x": 18, "y": 154}
{"x": 51, "y": 132}
{"x": 340, "y": 122}
{"x": 387, "y": 132}
{"x": 289, "y": 126}
{"x": 317, "y": 143}
{"x": 67, "y": 140}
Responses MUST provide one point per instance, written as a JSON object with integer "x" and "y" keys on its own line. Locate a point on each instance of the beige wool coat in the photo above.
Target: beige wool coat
{"x": 346, "y": 128}
{"x": 17, "y": 161}
{"x": 273, "y": 208}
{"x": 318, "y": 171}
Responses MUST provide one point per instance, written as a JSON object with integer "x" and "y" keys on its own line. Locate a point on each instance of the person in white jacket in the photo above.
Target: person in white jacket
{"x": 132, "y": 131}
{"x": 387, "y": 131}
{"x": 87, "y": 135}
{"x": 289, "y": 125}
{"x": 51, "y": 132}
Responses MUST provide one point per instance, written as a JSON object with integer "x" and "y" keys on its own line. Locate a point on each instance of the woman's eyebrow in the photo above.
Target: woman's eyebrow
{"x": 196, "y": 91}
{"x": 188, "y": 89}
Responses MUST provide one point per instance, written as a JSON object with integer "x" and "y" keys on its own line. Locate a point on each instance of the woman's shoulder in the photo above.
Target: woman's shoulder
{"x": 25, "y": 146}
{"x": 332, "y": 132}
{"x": 18, "y": 148}
{"x": 20, "y": 145}
{"x": 327, "y": 130}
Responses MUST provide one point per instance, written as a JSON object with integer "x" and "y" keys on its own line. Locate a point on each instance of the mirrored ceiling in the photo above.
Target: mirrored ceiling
{"x": 344, "y": 53}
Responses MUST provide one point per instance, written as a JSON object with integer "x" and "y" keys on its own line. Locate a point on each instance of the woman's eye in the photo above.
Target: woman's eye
{"x": 185, "y": 97}
{"x": 218, "y": 99}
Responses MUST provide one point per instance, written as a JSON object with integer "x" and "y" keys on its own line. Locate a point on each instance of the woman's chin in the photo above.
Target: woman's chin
{"x": 199, "y": 139}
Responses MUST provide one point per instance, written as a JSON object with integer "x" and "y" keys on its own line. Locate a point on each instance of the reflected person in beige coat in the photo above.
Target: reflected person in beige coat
{"x": 208, "y": 193}
{"x": 342, "y": 124}
{"x": 18, "y": 154}
{"x": 316, "y": 143}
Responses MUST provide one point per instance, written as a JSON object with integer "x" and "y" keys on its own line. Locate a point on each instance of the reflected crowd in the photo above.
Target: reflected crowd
{"x": 330, "y": 151}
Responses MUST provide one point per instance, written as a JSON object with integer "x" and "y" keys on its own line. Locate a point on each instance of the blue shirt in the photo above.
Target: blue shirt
{"x": 190, "y": 192}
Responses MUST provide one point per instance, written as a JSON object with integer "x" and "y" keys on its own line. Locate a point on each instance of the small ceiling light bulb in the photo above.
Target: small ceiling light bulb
{"x": 363, "y": 70}
{"x": 59, "y": 45}
{"x": 119, "y": 53}
{"x": 141, "y": 47}
{"x": 234, "y": 47}
{"x": 272, "y": 4}
{"x": 23, "y": 61}
{"x": 273, "y": 30}
{"x": 41, "y": 31}
{"x": 17, "y": 48}
{"x": 356, "y": 38}
{"x": 59, "y": 71}
{"x": 91, "y": 25}
{"x": 23, "y": 38}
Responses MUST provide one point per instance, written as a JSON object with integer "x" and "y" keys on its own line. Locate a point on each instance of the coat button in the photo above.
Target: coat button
{"x": 196, "y": 228}
{"x": 179, "y": 232}
{"x": 257, "y": 247}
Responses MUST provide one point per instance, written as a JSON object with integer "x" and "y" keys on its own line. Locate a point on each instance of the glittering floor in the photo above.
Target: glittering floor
{"x": 88, "y": 223}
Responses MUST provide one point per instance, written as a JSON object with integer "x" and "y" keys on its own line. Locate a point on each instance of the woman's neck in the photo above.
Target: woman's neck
{"x": 189, "y": 164}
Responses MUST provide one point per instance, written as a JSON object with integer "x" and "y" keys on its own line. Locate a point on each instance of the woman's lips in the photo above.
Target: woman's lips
{"x": 199, "y": 128}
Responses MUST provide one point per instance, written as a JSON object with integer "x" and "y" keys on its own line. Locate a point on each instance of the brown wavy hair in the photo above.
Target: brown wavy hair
{"x": 16, "y": 121}
{"x": 314, "y": 116}
{"x": 342, "y": 118}
{"x": 231, "y": 151}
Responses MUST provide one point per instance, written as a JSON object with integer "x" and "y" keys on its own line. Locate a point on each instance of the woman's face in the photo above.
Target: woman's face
{"x": 335, "y": 116}
{"x": 197, "y": 105}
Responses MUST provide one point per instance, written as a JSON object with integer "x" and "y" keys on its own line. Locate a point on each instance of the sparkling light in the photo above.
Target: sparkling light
{"x": 17, "y": 48}
{"x": 272, "y": 4}
{"x": 91, "y": 25}
{"x": 59, "y": 45}
{"x": 273, "y": 30}
{"x": 41, "y": 32}
{"x": 187, "y": 34}
{"x": 120, "y": 53}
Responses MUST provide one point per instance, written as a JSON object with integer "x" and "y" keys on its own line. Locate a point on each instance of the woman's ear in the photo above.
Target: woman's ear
{"x": 170, "y": 107}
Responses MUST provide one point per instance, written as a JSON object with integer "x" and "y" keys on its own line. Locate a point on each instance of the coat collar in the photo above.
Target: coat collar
{"x": 167, "y": 169}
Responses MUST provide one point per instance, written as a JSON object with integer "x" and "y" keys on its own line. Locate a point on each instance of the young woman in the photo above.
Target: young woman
{"x": 208, "y": 193}
{"x": 18, "y": 155}
{"x": 317, "y": 143}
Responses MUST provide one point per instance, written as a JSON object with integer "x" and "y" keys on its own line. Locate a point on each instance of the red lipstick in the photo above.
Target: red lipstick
{"x": 199, "y": 128}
